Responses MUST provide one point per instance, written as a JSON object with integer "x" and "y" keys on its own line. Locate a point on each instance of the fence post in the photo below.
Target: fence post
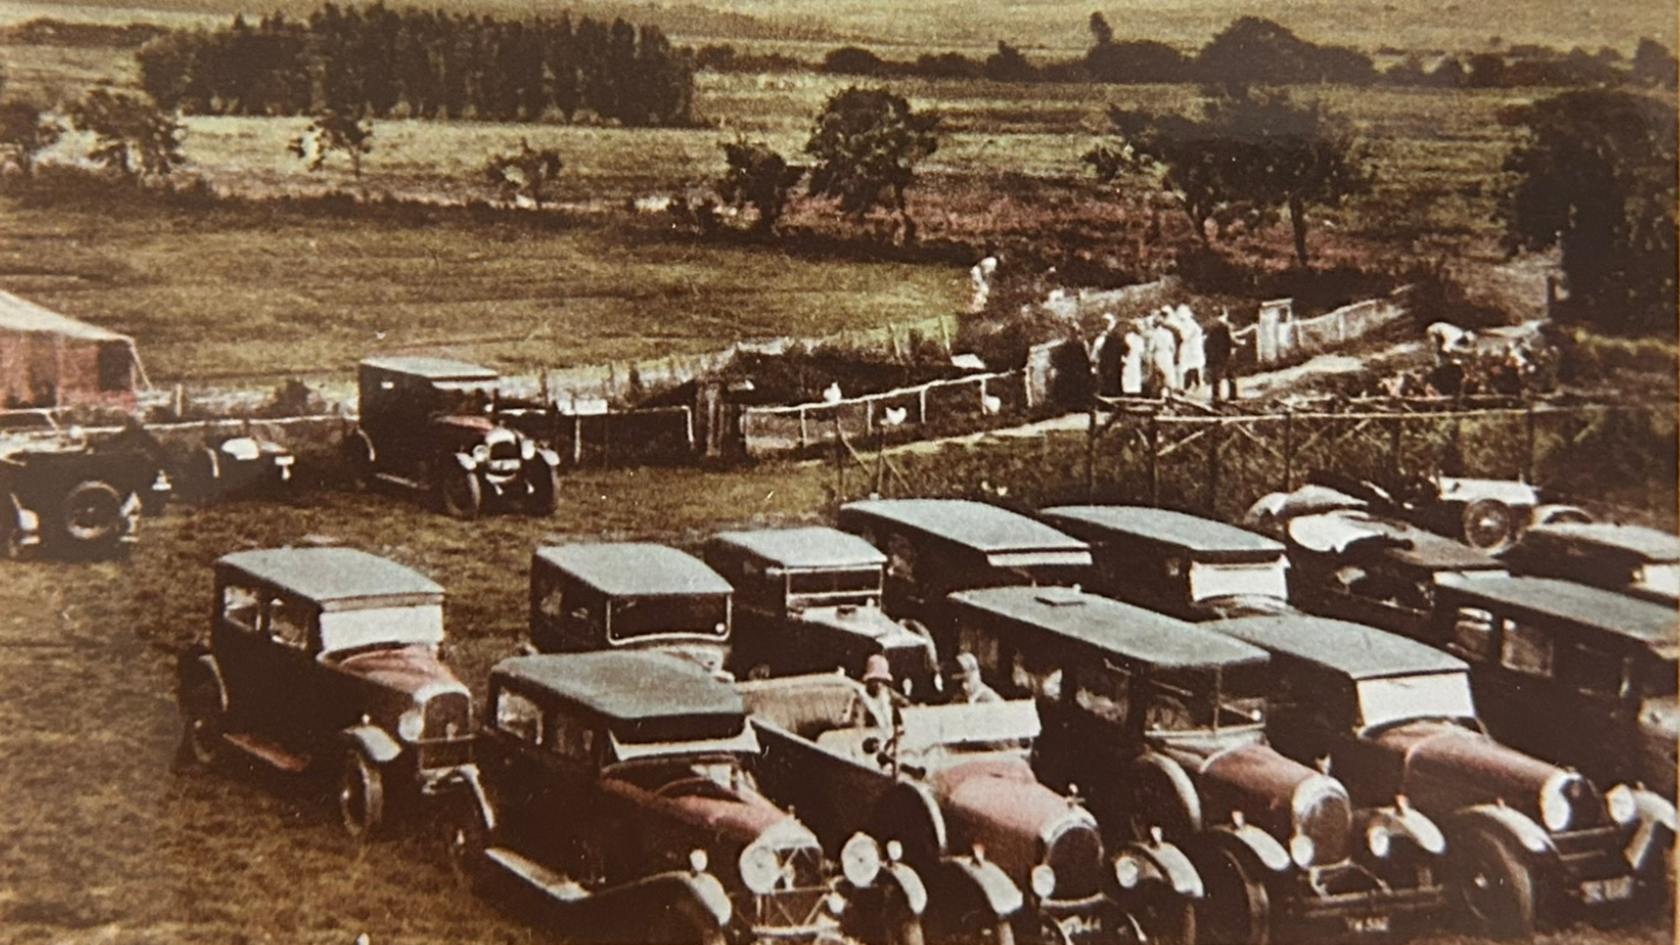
{"x": 1215, "y": 433}
{"x": 921, "y": 405}
{"x": 1394, "y": 433}
{"x": 804, "y": 436}
{"x": 1529, "y": 437}
{"x": 577, "y": 437}
{"x": 1091, "y": 456}
{"x": 1152, "y": 436}
{"x": 839, "y": 461}
{"x": 1288, "y": 446}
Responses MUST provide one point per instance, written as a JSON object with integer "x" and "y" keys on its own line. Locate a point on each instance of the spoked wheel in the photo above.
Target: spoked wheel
{"x": 199, "y": 476}
{"x": 93, "y": 515}
{"x": 465, "y": 837}
{"x": 1488, "y": 524}
{"x": 1234, "y": 908}
{"x": 460, "y": 493}
{"x": 203, "y": 722}
{"x": 545, "y": 487}
{"x": 1494, "y": 887}
{"x": 361, "y": 796}
{"x": 357, "y": 453}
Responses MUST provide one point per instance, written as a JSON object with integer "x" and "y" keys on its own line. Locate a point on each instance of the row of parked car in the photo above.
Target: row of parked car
{"x": 1105, "y": 724}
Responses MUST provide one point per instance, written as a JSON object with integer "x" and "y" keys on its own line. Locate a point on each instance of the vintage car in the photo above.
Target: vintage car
{"x": 428, "y": 424}
{"x": 809, "y": 600}
{"x": 72, "y": 493}
{"x": 936, "y": 546}
{"x": 629, "y": 595}
{"x": 1005, "y": 857}
{"x": 1529, "y": 843}
{"x": 229, "y": 466}
{"x": 323, "y": 658}
{"x": 602, "y": 769}
{"x": 1189, "y": 567}
{"x": 1574, "y": 674}
{"x": 1633, "y": 559}
{"x": 1160, "y": 725}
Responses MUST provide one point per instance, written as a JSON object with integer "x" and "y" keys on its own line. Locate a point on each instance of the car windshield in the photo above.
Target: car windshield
{"x": 1197, "y": 700}
{"x": 854, "y": 583}
{"x": 1389, "y": 699}
{"x": 685, "y": 775}
{"x": 632, "y": 617}
{"x": 463, "y": 396}
{"x": 381, "y": 626}
{"x": 1234, "y": 579}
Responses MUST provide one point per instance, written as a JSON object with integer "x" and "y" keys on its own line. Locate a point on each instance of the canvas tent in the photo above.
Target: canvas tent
{"x": 52, "y": 360}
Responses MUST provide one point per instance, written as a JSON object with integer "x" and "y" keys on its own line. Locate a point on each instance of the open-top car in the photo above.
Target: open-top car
{"x": 323, "y": 658}
{"x": 1160, "y": 724}
{"x": 428, "y": 424}
{"x": 1190, "y": 567}
{"x": 629, "y": 595}
{"x": 1529, "y": 843}
{"x": 69, "y": 492}
{"x": 602, "y": 769}
{"x": 1575, "y": 674}
{"x": 809, "y": 600}
{"x": 226, "y": 466}
{"x": 1005, "y": 857}
{"x": 1633, "y": 559}
{"x": 936, "y": 546}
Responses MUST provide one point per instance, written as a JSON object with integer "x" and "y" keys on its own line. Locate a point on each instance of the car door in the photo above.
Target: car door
{"x": 236, "y": 638}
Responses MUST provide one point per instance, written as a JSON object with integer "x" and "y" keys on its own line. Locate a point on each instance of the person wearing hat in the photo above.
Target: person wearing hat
{"x": 877, "y": 706}
{"x": 970, "y": 687}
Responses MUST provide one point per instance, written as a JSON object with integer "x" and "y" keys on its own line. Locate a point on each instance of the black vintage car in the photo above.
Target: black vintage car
{"x": 1161, "y": 726}
{"x": 629, "y": 595}
{"x": 327, "y": 659}
{"x": 603, "y": 769}
{"x": 234, "y": 466}
{"x": 936, "y": 546}
{"x": 809, "y": 600}
{"x": 1633, "y": 559}
{"x": 1529, "y": 844}
{"x": 428, "y": 424}
{"x": 1574, "y": 674}
{"x": 1175, "y": 563}
{"x": 74, "y": 493}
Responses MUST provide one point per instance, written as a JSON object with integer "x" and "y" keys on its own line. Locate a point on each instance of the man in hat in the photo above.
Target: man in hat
{"x": 970, "y": 687}
{"x": 1218, "y": 348}
{"x": 877, "y": 706}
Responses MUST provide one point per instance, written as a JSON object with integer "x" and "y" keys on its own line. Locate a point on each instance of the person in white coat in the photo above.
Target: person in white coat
{"x": 1161, "y": 346}
{"x": 1131, "y": 361}
{"x": 1192, "y": 359}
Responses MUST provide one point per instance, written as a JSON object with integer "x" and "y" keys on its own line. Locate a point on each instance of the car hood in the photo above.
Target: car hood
{"x": 737, "y": 816}
{"x": 869, "y": 622}
{"x": 470, "y": 423}
{"x": 1447, "y": 766}
{"x": 1000, "y": 804}
{"x": 1252, "y": 778}
{"x": 409, "y": 669}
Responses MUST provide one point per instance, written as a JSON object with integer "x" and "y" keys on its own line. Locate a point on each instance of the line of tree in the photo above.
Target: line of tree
{"x": 378, "y": 62}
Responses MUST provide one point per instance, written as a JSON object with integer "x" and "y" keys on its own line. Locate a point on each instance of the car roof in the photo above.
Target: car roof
{"x": 815, "y": 546}
{"x": 985, "y": 528}
{"x": 1593, "y": 607}
{"x": 630, "y": 686}
{"x": 1192, "y": 532}
{"x": 1353, "y": 649}
{"x": 1649, "y": 544}
{"x": 331, "y": 574}
{"x": 1356, "y": 532}
{"x": 1142, "y": 635}
{"x": 435, "y": 369}
{"x": 634, "y": 569}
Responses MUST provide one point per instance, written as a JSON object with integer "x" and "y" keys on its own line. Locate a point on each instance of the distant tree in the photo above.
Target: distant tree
{"x": 1008, "y": 65}
{"x": 1653, "y": 64}
{"x": 1136, "y": 62}
{"x": 1256, "y": 51}
{"x": 1101, "y": 33}
{"x": 1183, "y": 154}
{"x": 525, "y": 173}
{"x": 760, "y": 178}
{"x": 335, "y": 131}
{"x": 853, "y": 60}
{"x": 866, "y": 144}
{"x": 25, "y": 131}
{"x": 1596, "y": 177}
{"x": 131, "y": 135}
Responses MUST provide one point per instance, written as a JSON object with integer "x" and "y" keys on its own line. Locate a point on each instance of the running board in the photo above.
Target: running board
{"x": 271, "y": 752}
{"x": 536, "y": 874}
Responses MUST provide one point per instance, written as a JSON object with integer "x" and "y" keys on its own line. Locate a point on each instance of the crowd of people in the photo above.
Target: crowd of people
{"x": 1164, "y": 352}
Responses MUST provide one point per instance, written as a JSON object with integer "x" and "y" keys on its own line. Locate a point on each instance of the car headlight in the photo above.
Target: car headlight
{"x": 1301, "y": 850}
{"x": 760, "y": 868}
{"x": 860, "y": 860}
{"x": 1043, "y": 880}
{"x": 411, "y": 725}
{"x": 481, "y": 452}
{"x": 1127, "y": 872}
{"x": 1620, "y": 803}
{"x": 1379, "y": 840}
{"x": 1555, "y": 809}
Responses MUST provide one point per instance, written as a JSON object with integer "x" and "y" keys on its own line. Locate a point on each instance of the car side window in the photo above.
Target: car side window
{"x": 901, "y": 558}
{"x": 1591, "y": 671}
{"x": 288, "y": 623}
{"x": 1526, "y": 650}
{"x": 1473, "y": 633}
{"x": 983, "y": 645}
{"x": 241, "y": 605}
{"x": 1104, "y": 692}
{"x": 519, "y": 716}
{"x": 1040, "y": 679}
{"x": 552, "y": 603}
{"x": 573, "y": 739}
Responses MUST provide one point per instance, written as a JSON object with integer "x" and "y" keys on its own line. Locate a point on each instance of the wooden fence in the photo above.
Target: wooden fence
{"x": 916, "y": 411}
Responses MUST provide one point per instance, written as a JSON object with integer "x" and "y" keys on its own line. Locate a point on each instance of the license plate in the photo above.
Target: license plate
{"x": 1367, "y": 924}
{"x": 1607, "y": 890}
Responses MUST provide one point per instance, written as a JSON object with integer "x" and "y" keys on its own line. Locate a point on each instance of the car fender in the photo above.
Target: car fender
{"x": 1190, "y": 801}
{"x": 199, "y": 663}
{"x": 1165, "y": 862}
{"x": 988, "y": 880}
{"x": 360, "y": 434}
{"x": 549, "y": 456}
{"x": 372, "y": 741}
{"x": 709, "y": 892}
{"x": 1503, "y": 821}
{"x": 911, "y": 815}
{"x": 466, "y": 461}
{"x": 1411, "y": 823}
{"x": 908, "y": 882}
{"x": 1655, "y": 826}
{"x": 1262, "y": 846}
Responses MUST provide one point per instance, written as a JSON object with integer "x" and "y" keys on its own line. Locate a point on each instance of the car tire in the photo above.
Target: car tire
{"x": 11, "y": 539}
{"x": 1488, "y": 524}
{"x": 202, "y": 723}
{"x": 465, "y": 837}
{"x": 459, "y": 493}
{"x": 544, "y": 478}
{"x": 93, "y": 516}
{"x": 361, "y": 796}
{"x": 357, "y": 453}
{"x": 1235, "y": 908}
{"x": 199, "y": 476}
{"x": 1495, "y": 889}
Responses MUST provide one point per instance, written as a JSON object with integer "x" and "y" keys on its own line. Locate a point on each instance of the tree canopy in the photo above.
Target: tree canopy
{"x": 866, "y": 145}
{"x": 760, "y": 178}
{"x": 1596, "y": 177}
{"x": 523, "y": 173}
{"x": 131, "y": 136}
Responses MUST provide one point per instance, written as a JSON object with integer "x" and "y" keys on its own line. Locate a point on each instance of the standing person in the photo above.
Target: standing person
{"x": 877, "y": 706}
{"x": 981, "y": 278}
{"x": 971, "y": 688}
{"x": 1162, "y": 356}
{"x": 1105, "y": 357}
{"x": 1218, "y": 348}
{"x": 1191, "y": 354}
{"x": 1131, "y": 364}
